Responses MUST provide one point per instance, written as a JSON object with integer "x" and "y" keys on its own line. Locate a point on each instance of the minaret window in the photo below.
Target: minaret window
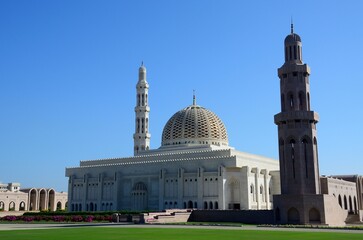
{"x": 301, "y": 101}
{"x": 282, "y": 102}
{"x": 291, "y": 101}
{"x": 290, "y": 53}
{"x": 138, "y": 125}
{"x": 138, "y": 99}
{"x": 285, "y": 54}
{"x": 304, "y": 142}
{"x": 142, "y": 125}
{"x": 143, "y": 100}
{"x": 295, "y": 55}
{"x": 292, "y": 145}
{"x": 146, "y": 125}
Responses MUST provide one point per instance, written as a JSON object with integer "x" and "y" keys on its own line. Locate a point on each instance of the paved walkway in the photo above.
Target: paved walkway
{"x": 11, "y": 226}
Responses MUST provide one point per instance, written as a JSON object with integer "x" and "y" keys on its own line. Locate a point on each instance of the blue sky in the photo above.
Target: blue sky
{"x": 68, "y": 71}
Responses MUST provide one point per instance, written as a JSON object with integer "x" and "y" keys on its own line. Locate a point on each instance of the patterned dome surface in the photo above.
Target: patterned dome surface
{"x": 194, "y": 125}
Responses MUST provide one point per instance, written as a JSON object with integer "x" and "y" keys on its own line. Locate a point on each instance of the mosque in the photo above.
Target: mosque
{"x": 196, "y": 168}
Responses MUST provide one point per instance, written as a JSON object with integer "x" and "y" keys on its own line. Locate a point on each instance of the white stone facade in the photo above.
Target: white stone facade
{"x": 195, "y": 177}
{"x": 12, "y": 198}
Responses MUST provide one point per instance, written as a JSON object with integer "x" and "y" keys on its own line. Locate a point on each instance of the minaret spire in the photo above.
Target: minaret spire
{"x": 194, "y": 99}
{"x": 292, "y": 26}
{"x": 142, "y": 109}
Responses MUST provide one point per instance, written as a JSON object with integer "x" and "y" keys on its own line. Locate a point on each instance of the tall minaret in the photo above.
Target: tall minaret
{"x": 298, "y": 152}
{"x": 142, "y": 109}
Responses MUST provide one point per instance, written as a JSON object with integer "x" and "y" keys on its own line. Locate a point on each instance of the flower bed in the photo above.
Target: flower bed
{"x": 57, "y": 218}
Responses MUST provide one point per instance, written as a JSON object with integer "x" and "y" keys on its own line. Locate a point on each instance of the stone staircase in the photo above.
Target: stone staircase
{"x": 169, "y": 216}
{"x": 352, "y": 218}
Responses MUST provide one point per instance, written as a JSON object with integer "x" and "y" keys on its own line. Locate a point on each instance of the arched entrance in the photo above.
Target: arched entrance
{"x": 51, "y": 200}
{"x": 314, "y": 216}
{"x": 139, "y": 196}
{"x": 42, "y": 200}
{"x": 11, "y": 206}
{"x": 2, "y": 206}
{"x": 33, "y": 200}
{"x": 234, "y": 194}
{"x": 22, "y": 206}
{"x": 59, "y": 206}
{"x": 190, "y": 204}
{"x": 293, "y": 216}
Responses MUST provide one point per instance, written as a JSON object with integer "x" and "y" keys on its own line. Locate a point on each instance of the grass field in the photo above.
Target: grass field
{"x": 104, "y": 233}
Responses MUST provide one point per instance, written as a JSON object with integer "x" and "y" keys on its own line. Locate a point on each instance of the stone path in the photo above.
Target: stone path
{"x": 11, "y": 226}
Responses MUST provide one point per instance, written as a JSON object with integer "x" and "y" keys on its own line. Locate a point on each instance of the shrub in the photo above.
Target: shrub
{"x": 10, "y": 218}
{"x": 89, "y": 218}
{"x": 77, "y": 218}
{"x": 59, "y": 218}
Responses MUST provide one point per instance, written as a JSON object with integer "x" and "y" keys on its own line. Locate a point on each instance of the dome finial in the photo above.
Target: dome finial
{"x": 194, "y": 100}
{"x": 142, "y": 63}
{"x": 292, "y": 26}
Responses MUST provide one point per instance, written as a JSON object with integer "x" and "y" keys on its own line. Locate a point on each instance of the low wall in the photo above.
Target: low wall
{"x": 241, "y": 216}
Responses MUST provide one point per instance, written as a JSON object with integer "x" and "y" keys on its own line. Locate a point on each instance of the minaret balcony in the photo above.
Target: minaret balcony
{"x": 289, "y": 68}
{"x": 296, "y": 115}
{"x": 142, "y": 109}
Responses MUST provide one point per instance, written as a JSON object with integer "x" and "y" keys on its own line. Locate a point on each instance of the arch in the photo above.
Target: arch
{"x": 95, "y": 207}
{"x": 291, "y": 100}
{"x": 72, "y": 207}
{"x": 216, "y": 205}
{"x": 345, "y": 203}
{"x": 142, "y": 125}
{"x": 293, "y": 215}
{"x": 2, "y": 206}
{"x": 355, "y": 205}
{"x": 91, "y": 207}
{"x": 185, "y": 205}
{"x": 59, "y": 206}
{"x": 314, "y": 216}
{"x": 340, "y": 201}
{"x": 234, "y": 193}
{"x": 195, "y": 205}
{"x": 139, "y": 195}
{"x": 350, "y": 205}
{"x": 210, "y": 205}
{"x": 51, "y": 200}
{"x": 12, "y": 206}
{"x": 80, "y": 207}
{"x": 42, "y": 199}
{"x": 138, "y": 125}
{"x": 32, "y": 204}
{"x": 22, "y": 206}
{"x": 205, "y": 205}
{"x": 190, "y": 204}
{"x": 277, "y": 214}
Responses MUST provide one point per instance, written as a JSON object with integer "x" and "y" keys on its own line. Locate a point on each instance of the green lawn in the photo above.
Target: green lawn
{"x": 104, "y": 233}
